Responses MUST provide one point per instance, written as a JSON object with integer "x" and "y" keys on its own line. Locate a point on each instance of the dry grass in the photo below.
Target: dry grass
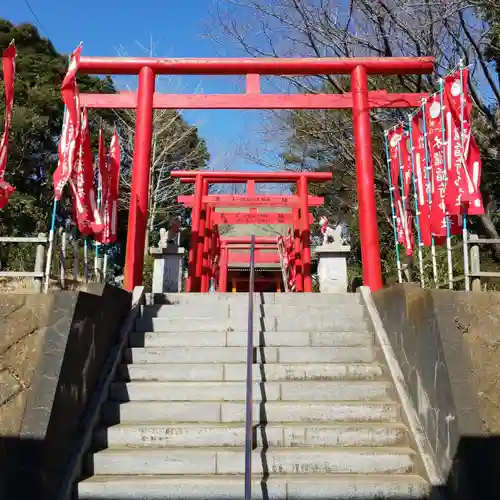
{"x": 27, "y": 285}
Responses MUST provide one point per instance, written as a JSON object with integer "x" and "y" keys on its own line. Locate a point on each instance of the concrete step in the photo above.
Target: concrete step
{"x": 272, "y": 411}
{"x": 237, "y": 371}
{"x": 228, "y": 310}
{"x": 239, "y": 354}
{"x": 238, "y": 339}
{"x": 262, "y": 391}
{"x": 291, "y": 434}
{"x": 274, "y": 487}
{"x": 301, "y": 299}
{"x": 382, "y": 460}
{"x": 299, "y": 323}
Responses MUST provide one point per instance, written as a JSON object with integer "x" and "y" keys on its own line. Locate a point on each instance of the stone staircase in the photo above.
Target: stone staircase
{"x": 327, "y": 421}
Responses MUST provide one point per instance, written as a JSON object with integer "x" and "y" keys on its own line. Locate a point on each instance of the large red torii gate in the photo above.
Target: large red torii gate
{"x": 360, "y": 100}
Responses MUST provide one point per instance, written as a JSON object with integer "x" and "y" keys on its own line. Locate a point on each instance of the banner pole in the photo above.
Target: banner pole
{"x": 429, "y": 196}
{"x": 448, "y": 228}
{"x": 104, "y": 264}
{"x": 85, "y": 261}
{"x": 97, "y": 267}
{"x": 48, "y": 264}
{"x": 403, "y": 211}
{"x": 465, "y": 234}
{"x": 393, "y": 211}
{"x": 62, "y": 257}
{"x": 417, "y": 212}
{"x": 76, "y": 263}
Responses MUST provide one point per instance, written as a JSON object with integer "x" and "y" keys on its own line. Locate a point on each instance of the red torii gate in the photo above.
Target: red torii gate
{"x": 360, "y": 100}
{"x": 251, "y": 201}
{"x": 202, "y": 219}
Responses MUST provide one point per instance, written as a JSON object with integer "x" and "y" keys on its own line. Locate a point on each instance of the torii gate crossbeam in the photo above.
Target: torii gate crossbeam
{"x": 360, "y": 100}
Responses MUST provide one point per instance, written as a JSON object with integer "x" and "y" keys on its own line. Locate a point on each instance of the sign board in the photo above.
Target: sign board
{"x": 254, "y": 218}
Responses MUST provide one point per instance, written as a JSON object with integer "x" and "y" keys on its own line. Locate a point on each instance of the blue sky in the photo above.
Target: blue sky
{"x": 176, "y": 27}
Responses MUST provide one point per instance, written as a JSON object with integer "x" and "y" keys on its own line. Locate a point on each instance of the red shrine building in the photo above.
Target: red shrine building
{"x": 268, "y": 266}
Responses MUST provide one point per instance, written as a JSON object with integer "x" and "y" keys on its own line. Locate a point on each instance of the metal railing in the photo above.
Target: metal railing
{"x": 38, "y": 273}
{"x": 475, "y": 274}
{"x": 249, "y": 380}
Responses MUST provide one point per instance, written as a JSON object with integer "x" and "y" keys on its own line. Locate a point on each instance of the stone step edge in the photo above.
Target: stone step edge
{"x": 202, "y": 383}
{"x": 239, "y": 477}
{"x": 152, "y": 363}
{"x": 327, "y": 424}
{"x": 361, "y": 364}
{"x": 393, "y": 450}
{"x": 270, "y": 401}
{"x": 390, "y": 402}
{"x": 257, "y": 426}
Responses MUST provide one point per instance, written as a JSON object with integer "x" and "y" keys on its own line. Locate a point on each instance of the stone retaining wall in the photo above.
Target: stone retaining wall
{"x": 56, "y": 348}
{"x": 447, "y": 345}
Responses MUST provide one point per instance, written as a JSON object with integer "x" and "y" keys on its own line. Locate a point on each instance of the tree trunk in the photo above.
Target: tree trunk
{"x": 492, "y": 232}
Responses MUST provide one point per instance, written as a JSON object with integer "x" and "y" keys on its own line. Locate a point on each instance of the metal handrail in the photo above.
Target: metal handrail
{"x": 249, "y": 385}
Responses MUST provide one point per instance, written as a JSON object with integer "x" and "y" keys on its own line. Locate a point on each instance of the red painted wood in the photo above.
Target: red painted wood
{"x": 256, "y": 65}
{"x": 260, "y": 258}
{"x": 253, "y": 100}
{"x": 139, "y": 201}
{"x": 254, "y": 218}
{"x": 248, "y": 201}
{"x": 252, "y": 175}
{"x": 230, "y": 240}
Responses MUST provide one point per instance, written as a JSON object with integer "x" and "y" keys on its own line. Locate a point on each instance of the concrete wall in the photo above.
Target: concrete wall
{"x": 79, "y": 331}
{"x": 445, "y": 344}
{"x": 23, "y": 320}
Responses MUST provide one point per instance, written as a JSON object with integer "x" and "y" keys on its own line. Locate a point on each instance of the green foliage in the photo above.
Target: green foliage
{"x": 34, "y": 136}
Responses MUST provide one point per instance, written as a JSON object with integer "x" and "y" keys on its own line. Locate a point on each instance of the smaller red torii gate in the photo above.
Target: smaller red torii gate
{"x": 204, "y": 215}
{"x": 251, "y": 201}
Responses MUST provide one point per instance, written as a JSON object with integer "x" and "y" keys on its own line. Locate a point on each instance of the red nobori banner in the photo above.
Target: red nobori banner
{"x": 400, "y": 166}
{"x": 110, "y": 186}
{"x": 69, "y": 144}
{"x": 438, "y": 179}
{"x": 9, "y": 72}
{"x": 457, "y": 191}
{"x": 405, "y": 159}
{"x": 438, "y": 173}
{"x": 103, "y": 169}
{"x": 465, "y": 166}
{"x": 81, "y": 182}
{"x": 422, "y": 179}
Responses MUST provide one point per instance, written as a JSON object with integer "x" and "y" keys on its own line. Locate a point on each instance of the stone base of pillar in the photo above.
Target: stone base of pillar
{"x": 168, "y": 269}
{"x": 332, "y": 267}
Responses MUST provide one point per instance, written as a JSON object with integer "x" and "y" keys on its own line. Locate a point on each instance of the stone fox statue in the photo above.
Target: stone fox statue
{"x": 335, "y": 235}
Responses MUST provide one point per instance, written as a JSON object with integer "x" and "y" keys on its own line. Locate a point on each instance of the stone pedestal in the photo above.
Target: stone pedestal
{"x": 168, "y": 269}
{"x": 332, "y": 267}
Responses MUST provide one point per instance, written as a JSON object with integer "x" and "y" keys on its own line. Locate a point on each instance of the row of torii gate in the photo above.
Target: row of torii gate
{"x": 360, "y": 100}
{"x": 206, "y": 219}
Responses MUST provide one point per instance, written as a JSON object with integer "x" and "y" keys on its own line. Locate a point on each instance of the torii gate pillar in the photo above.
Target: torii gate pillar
{"x": 365, "y": 180}
{"x": 139, "y": 192}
